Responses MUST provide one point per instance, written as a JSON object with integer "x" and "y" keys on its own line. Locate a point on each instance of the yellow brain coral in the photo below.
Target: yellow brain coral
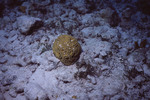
{"x": 67, "y": 49}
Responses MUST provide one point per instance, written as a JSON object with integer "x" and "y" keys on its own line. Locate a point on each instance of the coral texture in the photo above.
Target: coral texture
{"x": 67, "y": 49}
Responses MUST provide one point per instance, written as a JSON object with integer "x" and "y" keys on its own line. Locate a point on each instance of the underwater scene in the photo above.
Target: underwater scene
{"x": 74, "y": 49}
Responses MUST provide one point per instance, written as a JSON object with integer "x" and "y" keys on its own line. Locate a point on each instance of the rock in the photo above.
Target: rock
{"x": 8, "y": 80}
{"x": 3, "y": 61}
{"x": 98, "y": 47}
{"x": 41, "y": 3}
{"x": 27, "y": 25}
{"x": 146, "y": 69}
{"x": 20, "y": 97}
{"x": 111, "y": 85}
{"x": 70, "y": 26}
{"x": 19, "y": 62}
{"x": 88, "y": 31}
{"x": 19, "y": 87}
{"x": 110, "y": 35}
{"x": 99, "y": 60}
{"x": 92, "y": 20}
{"x": 12, "y": 93}
{"x": 106, "y": 14}
{"x": 123, "y": 52}
{"x": 20, "y": 90}
{"x": 126, "y": 14}
{"x": 2, "y": 96}
{"x": 92, "y": 79}
{"x": 139, "y": 79}
{"x": 1, "y": 76}
{"x": 105, "y": 32}
{"x": 5, "y": 21}
{"x": 148, "y": 56}
{"x": 4, "y": 69}
{"x": 58, "y": 10}
{"x": 34, "y": 91}
{"x": 80, "y": 7}
{"x": 24, "y": 8}
{"x": 136, "y": 57}
{"x": 104, "y": 67}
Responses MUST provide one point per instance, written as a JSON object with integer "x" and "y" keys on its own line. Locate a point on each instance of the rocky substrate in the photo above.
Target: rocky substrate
{"x": 115, "y": 59}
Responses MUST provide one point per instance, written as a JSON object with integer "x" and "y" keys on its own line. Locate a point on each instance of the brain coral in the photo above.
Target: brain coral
{"x": 67, "y": 49}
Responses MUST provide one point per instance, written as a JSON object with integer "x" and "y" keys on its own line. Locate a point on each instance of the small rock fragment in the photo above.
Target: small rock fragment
{"x": 27, "y": 25}
{"x": 36, "y": 92}
{"x": 8, "y": 80}
{"x": 12, "y": 93}
{"x": 2, "y": 96}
